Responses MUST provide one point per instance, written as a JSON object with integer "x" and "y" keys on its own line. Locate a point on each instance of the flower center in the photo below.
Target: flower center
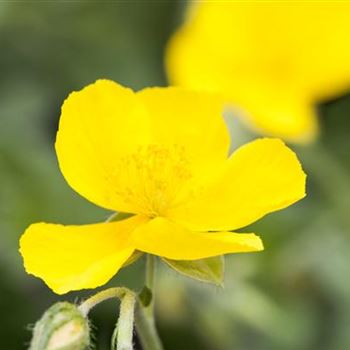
{"x": 154, "y": 178}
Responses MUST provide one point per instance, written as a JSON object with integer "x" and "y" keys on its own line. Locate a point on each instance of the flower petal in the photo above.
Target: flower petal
{"x": 276, "y": 113}
{"x": 98, "y": 126}
{"x": 234, "y": 47}
{"x": 189, "y": 119}
{"x": 163, "y": 238}
{"x": 260, "y": 177}
{"x": 77, "y": 257}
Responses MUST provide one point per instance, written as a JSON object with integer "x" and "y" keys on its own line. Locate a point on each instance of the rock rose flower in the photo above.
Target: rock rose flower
{"x": 162, "y": 155}
{"x": 273, "y": 59}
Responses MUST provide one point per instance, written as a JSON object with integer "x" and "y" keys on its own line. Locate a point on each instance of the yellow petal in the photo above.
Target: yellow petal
{"x": 77, "y": 257}
{"x": 260, "y": 177}
{"x": 166, "y": 239}
{"x": 98, "y": 126}
{"x": 116, "y": 147}
{"x": 191, "y": 120}
{"x": 259, "y": 50}
{"x": 289, "y": 117}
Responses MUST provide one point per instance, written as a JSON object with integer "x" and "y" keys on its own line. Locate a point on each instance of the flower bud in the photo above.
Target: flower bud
{"x": 62, "y": 327}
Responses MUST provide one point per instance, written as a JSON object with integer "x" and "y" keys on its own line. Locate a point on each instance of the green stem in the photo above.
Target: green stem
{"x": 110, "y": 293}
{"x": 149, "y": 282}
{"x": 124, "y": 328}
{"x": 144, "y": 316}
{"x": 125, "y": 324}
{"x": 146, "y": 330}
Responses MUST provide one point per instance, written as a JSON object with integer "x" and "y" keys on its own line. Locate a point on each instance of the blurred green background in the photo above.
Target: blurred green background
{"x": 293, "y": 296}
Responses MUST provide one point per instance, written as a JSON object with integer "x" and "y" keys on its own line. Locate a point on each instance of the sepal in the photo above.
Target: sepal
{"x": 62, "y": 327}
{"x": 209, "y": 270}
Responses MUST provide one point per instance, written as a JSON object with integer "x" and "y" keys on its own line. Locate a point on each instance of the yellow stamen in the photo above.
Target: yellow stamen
{"x": 158, "y": 175}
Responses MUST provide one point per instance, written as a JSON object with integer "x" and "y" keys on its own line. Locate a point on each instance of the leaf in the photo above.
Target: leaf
{"x": 209, "y": 270}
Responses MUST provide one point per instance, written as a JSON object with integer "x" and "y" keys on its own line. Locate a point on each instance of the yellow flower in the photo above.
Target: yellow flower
{"x": 161, "y": 154}
{"x": 274, "y": 59}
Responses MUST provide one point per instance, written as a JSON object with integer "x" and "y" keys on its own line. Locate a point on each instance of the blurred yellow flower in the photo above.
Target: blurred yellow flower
{"x": 274, "y": 59}
{"x": 161, "y": 154}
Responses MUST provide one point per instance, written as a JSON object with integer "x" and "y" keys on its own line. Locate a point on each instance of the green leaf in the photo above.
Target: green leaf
{"x": 209, "y": 270}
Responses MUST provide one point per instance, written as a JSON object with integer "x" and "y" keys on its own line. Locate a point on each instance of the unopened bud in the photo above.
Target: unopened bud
{"x": 62, "y": 327}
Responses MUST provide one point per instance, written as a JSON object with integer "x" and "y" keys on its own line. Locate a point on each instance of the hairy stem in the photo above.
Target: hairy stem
{"x": 110, "y": 293}
{"x": 125, "y": 324}
{"x": 122, "y": 338}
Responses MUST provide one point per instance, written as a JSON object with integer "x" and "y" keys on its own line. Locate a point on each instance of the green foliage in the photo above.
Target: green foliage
{"x": 210, "y": 270}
